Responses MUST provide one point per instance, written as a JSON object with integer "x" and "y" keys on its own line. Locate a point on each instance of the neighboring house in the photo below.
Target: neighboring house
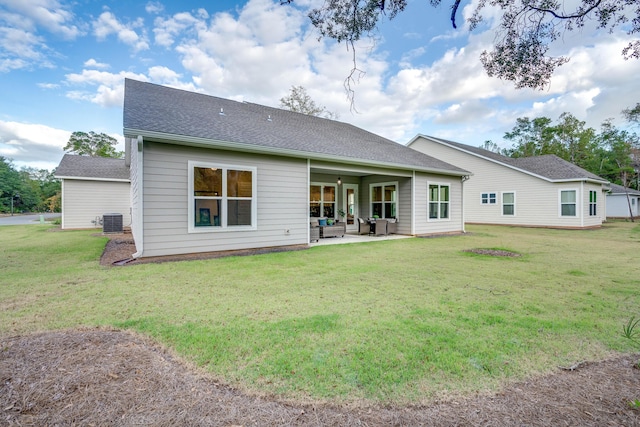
{"x": 541, "y": 191}
{"x": 92, "y": 187}
{"x": 212, "y": 174}
{"x": 622, "y": 201}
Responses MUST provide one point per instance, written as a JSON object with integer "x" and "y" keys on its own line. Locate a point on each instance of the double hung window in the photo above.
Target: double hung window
{"x": 322, "y": 200}
{"x": 509, "y": 203}
{"x": 384, "y": 200}
{"x": 568, "y": 203}
{"x": 438, "y": 201}
{"x": 593, "y": 203}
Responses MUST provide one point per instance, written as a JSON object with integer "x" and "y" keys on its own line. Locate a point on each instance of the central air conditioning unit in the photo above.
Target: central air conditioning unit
{"x": 112, "y": 223}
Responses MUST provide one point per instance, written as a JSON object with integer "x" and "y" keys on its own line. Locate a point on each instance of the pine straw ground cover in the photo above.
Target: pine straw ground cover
{"x": 109, "y": 377}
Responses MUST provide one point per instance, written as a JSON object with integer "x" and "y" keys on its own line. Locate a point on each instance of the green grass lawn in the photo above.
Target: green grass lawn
{"x": 390, "y": 322}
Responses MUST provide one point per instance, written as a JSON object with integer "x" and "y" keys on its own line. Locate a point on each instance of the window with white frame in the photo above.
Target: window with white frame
{"x": 384, "y": 200}
{"x": 322, "y": 200}
{"x": 568, "y": 203}
{"x": 508, "y": 203}
{"x": 438, "y": 201}
{"x": 221, "y": 197}
{"x": 593, "y": 203}
{"x": 488, "y": 198}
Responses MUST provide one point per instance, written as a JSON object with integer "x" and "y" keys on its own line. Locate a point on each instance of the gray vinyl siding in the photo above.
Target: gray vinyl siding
{"x": 537, "y": 201}
{"x": 424, "y": 225}
{"x": 136, "y": 200}
{"x": 85, "y": 201}
{"x": 281, "y": 194}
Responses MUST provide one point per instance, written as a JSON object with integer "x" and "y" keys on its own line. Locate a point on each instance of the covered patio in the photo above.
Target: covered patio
{"x": 354, "y": 237}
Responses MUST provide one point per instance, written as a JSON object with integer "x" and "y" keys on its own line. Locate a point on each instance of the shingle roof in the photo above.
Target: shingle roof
{"x": 92, "y": 168}
{"x": 547, "y": 166}
{"x": 619, "y": 189}
{"x": 178, "y": 113}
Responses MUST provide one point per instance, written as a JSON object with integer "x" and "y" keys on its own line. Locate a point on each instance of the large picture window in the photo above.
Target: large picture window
{"x": 568, "y": 203}
{"x": 384, "y": 200}
{"x": 322, "y": 200}
{"x": 438, "y": 201}
{"x": 221, "y": 197}
{"x": 508, "y": 203}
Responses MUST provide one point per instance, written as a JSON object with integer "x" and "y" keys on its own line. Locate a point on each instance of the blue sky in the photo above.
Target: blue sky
{"x": 63, "y": 64}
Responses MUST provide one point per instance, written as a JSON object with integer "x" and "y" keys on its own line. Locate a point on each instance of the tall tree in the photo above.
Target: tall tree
{"x": 92, "y": 144}
{"x": 299, "y": 101}
{"x": 530, "y": 138}
{"x": 526, "y": 30}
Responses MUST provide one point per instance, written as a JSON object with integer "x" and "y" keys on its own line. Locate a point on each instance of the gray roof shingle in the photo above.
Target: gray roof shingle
{"x": 87, "y": 167}
{"x": 153, "y": 108}
{"x": 619, "y": 189}
{"x": 548, "y": 166}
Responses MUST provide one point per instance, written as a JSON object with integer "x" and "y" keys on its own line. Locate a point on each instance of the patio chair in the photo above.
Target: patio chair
{"x": 363, "y": 226}
{"x": 380, "y": 227}
{"x": 392, "y": 226}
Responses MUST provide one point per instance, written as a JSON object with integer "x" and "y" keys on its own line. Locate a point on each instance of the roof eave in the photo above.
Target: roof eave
{"x": 86, "y": 178}
{"x": 251, "y": 148}
{"x": 441, "y": 142}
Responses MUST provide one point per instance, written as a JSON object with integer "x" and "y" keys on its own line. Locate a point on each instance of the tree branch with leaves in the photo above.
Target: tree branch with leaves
{"x": 526, "y": 30}
{"x": 92, "y": 144}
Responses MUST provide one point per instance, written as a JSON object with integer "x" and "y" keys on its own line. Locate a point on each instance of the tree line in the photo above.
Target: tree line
{"x": 37, "y": 190}
{"x": 612, "y": 153}
{"x": 27, "y": 189}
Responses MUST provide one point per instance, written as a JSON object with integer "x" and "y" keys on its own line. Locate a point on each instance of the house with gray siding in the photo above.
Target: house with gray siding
{"x": 92, "y": 187}
{"x": 212, "y": 174}
{"x": 622, "y": 202}
{"x": 540, "y": 191}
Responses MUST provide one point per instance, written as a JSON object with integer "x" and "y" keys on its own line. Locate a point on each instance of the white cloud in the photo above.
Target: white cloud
{"x": 166, "y": 29}
{"x": 92, "y": 63}
{"x": 47, "y": 14}
{"x": 29, "y": 144}
{"x": 108, "y": 24}
{"x": 48, "y": 85}
{"x": 154, "y": 7}
{"x": 109, "y": 87}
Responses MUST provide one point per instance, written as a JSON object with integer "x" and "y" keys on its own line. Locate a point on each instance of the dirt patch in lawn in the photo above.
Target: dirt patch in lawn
{"x": 111, "y": 377}
{"x": 493, "y": 252}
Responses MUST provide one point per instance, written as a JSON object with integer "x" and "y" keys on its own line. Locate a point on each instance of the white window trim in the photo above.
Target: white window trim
{"x": 502, "y": 193}
{"x": 322, "y": 185}
{"x": 383, "y": 184}
{"x": 577, "y": 215}
{"x": 489, "y": 193}
{"x": 223, "y": 228}
{"x": 440, "y": 184}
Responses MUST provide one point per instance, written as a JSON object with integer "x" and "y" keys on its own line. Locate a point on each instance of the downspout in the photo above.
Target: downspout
{"x": 581, "y": 204}
{"x": 413, "y": 204}
{"x": 462, "y": 180}
{"x": 308, "y": 198}
{"x": 139, "y": 147}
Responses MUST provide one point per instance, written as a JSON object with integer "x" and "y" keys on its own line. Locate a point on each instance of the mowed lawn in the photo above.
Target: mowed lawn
{"x": 389, "y": 322}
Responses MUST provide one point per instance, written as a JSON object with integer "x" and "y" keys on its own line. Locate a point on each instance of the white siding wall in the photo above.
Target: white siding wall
{"x": 618, "y": 207}
{"x": 281, "y": 201}
{"x": 536, "y": 200}
{"x": 85, "y": 201}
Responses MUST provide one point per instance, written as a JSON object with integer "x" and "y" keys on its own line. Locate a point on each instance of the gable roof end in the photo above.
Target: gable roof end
{"x": 183, "y": 117}
{"x": 549, "y": 166}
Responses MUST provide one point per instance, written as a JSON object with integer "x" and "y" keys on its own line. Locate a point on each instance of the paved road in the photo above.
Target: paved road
{"x": 26, "y": 219}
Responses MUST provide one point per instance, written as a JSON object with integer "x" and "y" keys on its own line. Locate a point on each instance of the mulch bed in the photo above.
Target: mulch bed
{"x": 110, "y": 377}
